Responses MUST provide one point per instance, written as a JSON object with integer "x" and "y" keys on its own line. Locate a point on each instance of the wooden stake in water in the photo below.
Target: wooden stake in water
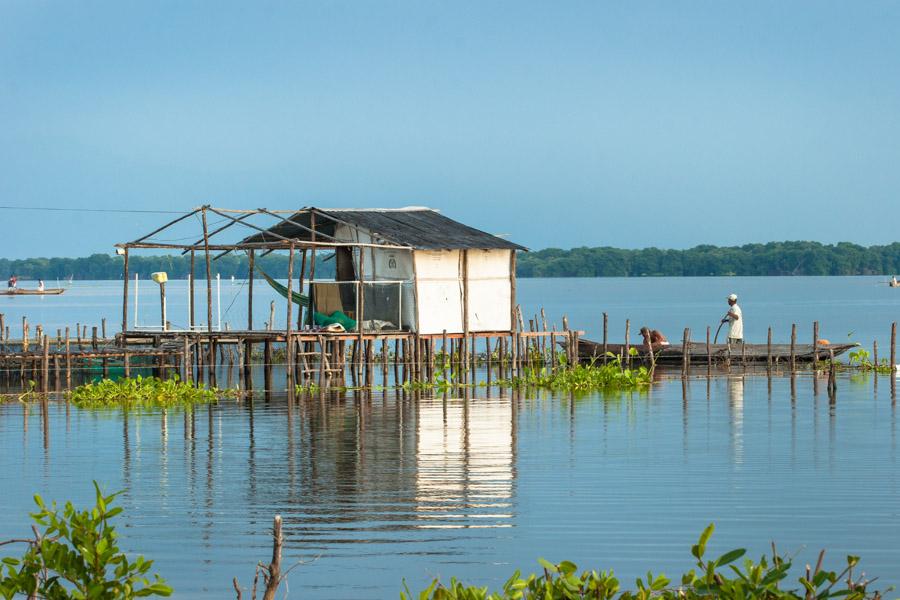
{"x": 815, "y": 343}
{"x": 769, "y": 350}
{"x": 893, "y": 347}
{"x": 708, "y": 353}
{"x": 685, "y": 351}
{"x": 605, "y": 333}
{"x": 793, "y": 346}
{"x": 628, "y": 341}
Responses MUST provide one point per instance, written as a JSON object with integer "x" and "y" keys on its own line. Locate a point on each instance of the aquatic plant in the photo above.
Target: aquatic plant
{"x": 722, "y": 578}
{"x": 861, "y": 359}
{"x": 77, "y": 556}
{"x": 141, "y": 392}
{"x": 584, "y": 378}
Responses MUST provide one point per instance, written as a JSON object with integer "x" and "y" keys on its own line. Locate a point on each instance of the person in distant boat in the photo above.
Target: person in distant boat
{"x": 735, "y": 321}
{"x": 40, "y": 285}
{"x": 653, "y": 337}
{"x": 11, "y": 283}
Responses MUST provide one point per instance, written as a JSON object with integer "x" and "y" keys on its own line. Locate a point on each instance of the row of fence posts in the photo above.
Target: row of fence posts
{"x": 73, "y": 349}
{"x": 413, "y": 360}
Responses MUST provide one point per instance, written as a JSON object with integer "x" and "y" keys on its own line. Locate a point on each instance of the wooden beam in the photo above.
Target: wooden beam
{"x": 300, "y": 225}
{"x": 167, "y": 225}
{"x": 220, "y": 229}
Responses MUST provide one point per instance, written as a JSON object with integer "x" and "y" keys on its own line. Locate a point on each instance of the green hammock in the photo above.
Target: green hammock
{"x": 296, "y": 297}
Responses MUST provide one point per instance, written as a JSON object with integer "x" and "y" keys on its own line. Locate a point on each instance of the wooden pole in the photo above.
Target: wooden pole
{"x": 312, "y": 269}
{"x": 685, "y": 351}
{"x": 893, "y": 347}
{"x": 289, "y": 345}
{"x": 191, "y": 290}
{"x": 300, "y": 290}
{"x": 251, "y": 266}
{"x": 512, "y": 289}
{"x": 793, "y": 347}
{"x": 554, "y": 357}
{"x": 875, "y": 355}
{"x": 628, "y": 341}
{"x": 45, "y": 366}
{"x": 769, "y": 349}
{"x": 68, "y": 361}
{"x": 125, "y": 292}
{"x": 708, "y": 353}
{"x": 815, "y": 343}
{"x": 605, "y": 337}
{"x": 361, "y": 308}
{"x": 209, "y": 323}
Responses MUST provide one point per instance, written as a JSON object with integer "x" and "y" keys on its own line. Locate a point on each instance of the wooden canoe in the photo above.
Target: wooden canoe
{"x": 751, "y": 353}
{"x": 24, "y": 292}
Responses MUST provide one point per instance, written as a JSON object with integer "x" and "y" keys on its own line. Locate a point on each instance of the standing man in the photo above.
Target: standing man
{"x": 735, "y": 321}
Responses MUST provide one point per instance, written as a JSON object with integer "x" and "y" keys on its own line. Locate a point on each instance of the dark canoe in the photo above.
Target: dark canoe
{"x": 674, "y": 354}
{"x": 24, "y": 292}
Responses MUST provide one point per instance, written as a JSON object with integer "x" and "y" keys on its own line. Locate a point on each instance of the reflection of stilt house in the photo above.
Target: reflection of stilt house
{"x": 417, "y": 270}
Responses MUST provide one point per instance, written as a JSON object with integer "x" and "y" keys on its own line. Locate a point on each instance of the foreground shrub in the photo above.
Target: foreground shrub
{"x": 77, "y": 556}
{"x": 139, "y": 392}
{"x": 713, "y": 579}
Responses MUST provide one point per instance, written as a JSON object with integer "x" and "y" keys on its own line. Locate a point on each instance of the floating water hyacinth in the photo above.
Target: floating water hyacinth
{"x": 141, "y": 392}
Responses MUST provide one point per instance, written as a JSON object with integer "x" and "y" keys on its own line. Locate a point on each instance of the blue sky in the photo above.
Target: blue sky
{"x": 562, "y": 124}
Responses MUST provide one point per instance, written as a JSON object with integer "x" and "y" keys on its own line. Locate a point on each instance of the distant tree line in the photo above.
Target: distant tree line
{"x": 109, "y": 266}
{"x": 774, "y": 258}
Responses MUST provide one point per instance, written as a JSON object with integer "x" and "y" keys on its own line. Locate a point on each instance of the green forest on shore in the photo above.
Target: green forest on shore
{"x": 773, "y": 259}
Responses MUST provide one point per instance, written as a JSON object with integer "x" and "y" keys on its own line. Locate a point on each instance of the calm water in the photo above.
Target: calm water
{"x": 398, "y": 486}
{"x": 857, "y": 308}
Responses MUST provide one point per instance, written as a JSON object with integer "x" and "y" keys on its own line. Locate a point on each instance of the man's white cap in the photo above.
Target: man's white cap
{"x": 732, "y": 297}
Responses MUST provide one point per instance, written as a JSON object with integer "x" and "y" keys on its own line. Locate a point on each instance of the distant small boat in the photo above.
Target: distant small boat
{"x": 25, "y": 292}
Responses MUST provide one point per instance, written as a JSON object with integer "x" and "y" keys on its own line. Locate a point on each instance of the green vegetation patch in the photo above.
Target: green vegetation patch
{"x": 141, "y": 392}
{"x": 611, "y": 376}
{"x": 723, "y": 578}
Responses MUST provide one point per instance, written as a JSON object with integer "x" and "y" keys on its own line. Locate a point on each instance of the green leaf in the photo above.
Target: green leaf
{"x": 730, "y": 557}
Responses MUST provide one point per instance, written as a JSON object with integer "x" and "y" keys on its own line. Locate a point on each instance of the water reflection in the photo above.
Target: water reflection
{"x": 464, "y": 463}
{"x": 736, "y": 409}
{"x": 392, "y": 485}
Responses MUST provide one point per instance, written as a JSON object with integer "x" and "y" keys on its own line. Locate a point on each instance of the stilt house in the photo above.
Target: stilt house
{"x": 407, "y": 269}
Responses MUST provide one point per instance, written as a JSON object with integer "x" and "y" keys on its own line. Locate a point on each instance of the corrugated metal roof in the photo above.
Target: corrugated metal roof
{"x": 416, "y": 227}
